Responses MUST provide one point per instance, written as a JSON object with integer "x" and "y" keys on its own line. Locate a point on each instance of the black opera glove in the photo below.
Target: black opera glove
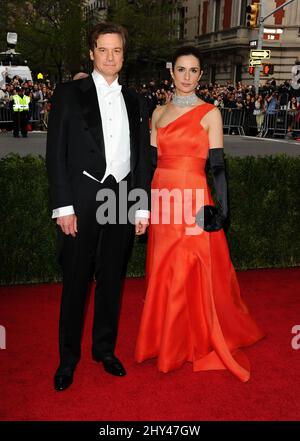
{"x": 210, "y": 217}
{"x": 153, "y": 158}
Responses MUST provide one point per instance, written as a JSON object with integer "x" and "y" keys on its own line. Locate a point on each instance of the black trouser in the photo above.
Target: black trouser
{"x": 20, "y": 120}
{"x": 97, "y": 249}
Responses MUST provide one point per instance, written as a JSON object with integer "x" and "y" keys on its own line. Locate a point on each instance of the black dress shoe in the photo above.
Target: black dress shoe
{"x": 112, "y": 365}
{"x": 62, "y": 382}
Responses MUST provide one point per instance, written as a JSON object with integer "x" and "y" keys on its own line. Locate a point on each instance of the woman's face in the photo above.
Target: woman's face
{"x": 186, "y": 74}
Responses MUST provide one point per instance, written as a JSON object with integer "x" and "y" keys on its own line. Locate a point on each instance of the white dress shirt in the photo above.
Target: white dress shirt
{"x": 116, "y": 136}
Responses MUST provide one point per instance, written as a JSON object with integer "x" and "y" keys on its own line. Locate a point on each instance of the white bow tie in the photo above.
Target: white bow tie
{"x": 106, "y": 90}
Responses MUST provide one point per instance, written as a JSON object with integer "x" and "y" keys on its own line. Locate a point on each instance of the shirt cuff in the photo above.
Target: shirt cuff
{"x": 142, "y": 213}
{"x": 63, "y": 211}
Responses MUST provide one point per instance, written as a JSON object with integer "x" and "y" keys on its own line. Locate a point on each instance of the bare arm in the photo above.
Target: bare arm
{"x": 217, "y": 164}
{"x": 215, "y": 129}
{"x": 155, "y": 116}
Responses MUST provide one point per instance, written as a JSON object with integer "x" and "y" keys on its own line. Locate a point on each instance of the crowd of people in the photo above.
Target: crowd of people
{"x": 271, "y": 97}
{"x": 39, "y": 92}
{"x": 231, "y": 96}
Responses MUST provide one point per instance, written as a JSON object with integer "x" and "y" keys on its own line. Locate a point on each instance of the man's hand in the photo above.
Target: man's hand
{"x": 141, "y": 224}
{"x": 68, "y": 224}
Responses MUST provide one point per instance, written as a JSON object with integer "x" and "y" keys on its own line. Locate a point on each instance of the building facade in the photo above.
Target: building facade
{"x": 96, "y": 10}
{"x": 218, "y": 28}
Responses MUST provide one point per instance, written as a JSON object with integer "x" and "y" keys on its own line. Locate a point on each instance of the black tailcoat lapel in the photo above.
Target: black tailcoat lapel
{"x": 88, "y": 100}
{"x": 90, "y": 108}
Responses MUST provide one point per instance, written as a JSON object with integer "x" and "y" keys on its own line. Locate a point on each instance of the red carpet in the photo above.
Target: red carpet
{"x": 30, "y": 316}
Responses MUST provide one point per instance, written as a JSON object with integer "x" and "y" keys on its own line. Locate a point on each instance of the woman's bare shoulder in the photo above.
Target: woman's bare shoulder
{"x": 160, "y": 110}
{"x": 213, "y": 114}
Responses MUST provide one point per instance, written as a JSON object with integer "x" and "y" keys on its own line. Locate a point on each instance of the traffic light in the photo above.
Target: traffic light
{"x": 252, "y": 15}
{"x": 251, "y": 70}
{"x": 268, "y": 69}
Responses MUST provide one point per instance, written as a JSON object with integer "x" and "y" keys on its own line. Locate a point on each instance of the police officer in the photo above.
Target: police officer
{"x": 20, "y": 108}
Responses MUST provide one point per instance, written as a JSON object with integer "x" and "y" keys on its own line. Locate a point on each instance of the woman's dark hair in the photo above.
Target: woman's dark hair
{"x": 107, "y": 28}
{"x": 187, "y": 50}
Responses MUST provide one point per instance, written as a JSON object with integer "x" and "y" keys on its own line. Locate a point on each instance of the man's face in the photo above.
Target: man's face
{"x": 108, "y": 56}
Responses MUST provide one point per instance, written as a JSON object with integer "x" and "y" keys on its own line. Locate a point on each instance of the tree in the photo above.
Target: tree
{"x": 3, "y": 24}
{"x": 51, "y": 34}
{"x": 151, "y": 38}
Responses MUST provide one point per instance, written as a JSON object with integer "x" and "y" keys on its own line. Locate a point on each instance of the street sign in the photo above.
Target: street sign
{"x": 254, "y": 62}
{"x": 262, "y": 53}
{"x": 253, "y": 43}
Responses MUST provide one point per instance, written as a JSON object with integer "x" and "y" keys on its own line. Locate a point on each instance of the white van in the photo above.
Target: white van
{"x": 11, "y": 71}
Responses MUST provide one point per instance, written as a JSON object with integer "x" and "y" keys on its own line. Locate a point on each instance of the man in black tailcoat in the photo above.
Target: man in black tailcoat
{"x": 98, "y": 140}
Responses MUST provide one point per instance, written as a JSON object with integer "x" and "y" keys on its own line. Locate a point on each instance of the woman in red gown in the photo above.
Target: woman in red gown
{"x": 193, "y": 310}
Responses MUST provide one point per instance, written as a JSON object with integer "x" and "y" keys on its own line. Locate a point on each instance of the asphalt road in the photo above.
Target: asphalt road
{"x": 234, "y": 145}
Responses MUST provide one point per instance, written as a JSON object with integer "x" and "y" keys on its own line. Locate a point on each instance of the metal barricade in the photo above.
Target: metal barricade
{"x": 35, "y": 112}
{"x": 249, "y": 122}
{"x": 5, "y": 115}
{"x": 233, "y": 120}
{"x": 293, "y": 121}
{"x": 226, "y": 117}
{"x": 36, "y": 115}
{"x": 280, "y": 123}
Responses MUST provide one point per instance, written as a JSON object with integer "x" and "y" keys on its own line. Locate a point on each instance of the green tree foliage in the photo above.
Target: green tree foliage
{"x": 51, "y": 34}
{"x": 151, "y": 25}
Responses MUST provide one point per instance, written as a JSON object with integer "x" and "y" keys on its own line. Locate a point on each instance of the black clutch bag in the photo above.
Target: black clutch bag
{"x": 208, "y": 218}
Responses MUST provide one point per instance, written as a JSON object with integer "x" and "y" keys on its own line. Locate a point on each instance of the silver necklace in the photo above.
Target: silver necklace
{"x": 184, "y": 101}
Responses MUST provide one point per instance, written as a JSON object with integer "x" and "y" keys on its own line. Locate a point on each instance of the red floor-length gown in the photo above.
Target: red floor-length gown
{"x": 193, "y": 310}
